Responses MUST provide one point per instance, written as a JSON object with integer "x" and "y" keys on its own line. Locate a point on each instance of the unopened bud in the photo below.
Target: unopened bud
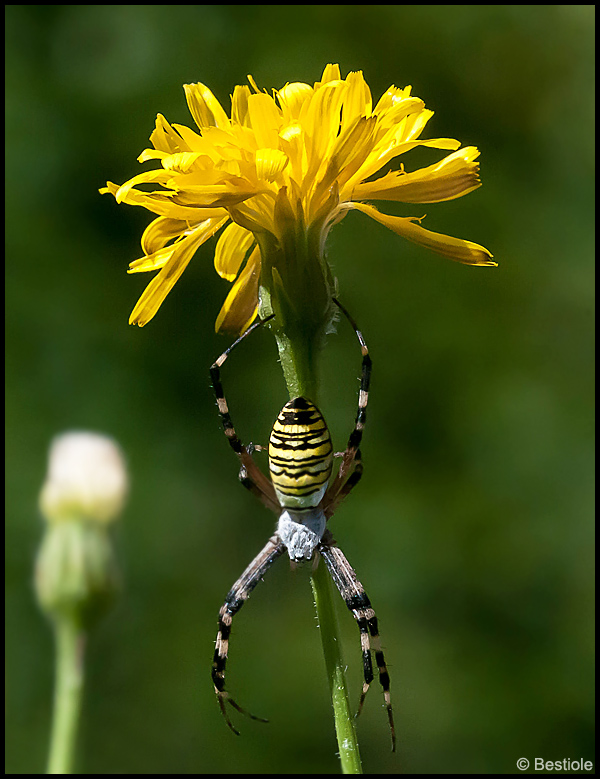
{"x": 76, "y": 574}
{"x": 86, "y": 478}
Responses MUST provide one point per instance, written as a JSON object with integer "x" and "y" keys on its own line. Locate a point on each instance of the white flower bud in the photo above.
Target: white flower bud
{"x": 87, "y": 478}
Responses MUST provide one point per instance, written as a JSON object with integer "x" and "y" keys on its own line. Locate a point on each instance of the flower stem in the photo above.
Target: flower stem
{"x": 344, "y": 721}
{"x": 298, "y": 361}
{"x": 70, "y": 642}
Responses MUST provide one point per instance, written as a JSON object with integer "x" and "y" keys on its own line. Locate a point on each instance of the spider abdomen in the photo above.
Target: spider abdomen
{"x": 300, "y": 455}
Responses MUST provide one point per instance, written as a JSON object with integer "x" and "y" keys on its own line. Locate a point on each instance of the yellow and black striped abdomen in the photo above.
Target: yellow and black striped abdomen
{"x": 300, "y": 455}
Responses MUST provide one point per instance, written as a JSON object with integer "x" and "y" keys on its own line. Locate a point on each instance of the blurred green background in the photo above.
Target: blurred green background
{"x": 472, "y": 528}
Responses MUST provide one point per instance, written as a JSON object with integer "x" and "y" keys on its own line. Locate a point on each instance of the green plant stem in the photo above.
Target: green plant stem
{"x": 344, "y": 721}
{"x": 301, "y": 379}
{"x": 70, "y": 643}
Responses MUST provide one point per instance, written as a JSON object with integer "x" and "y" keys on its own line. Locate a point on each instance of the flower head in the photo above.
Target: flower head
{"x": 276, "y": 175}
{"x": 76, "y": 575}
{"x": 87, "y": 478}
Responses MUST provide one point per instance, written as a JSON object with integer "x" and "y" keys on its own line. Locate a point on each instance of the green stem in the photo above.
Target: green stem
{"x": 70, "y": 642}
{"x": 299, "y": 365}
{"x": 298, "y": 360}
{"x": 334, "y": 664}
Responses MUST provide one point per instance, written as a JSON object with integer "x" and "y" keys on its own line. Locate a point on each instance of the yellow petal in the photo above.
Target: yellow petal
{"x": 164, "y": 137}
{"x": 159, "y": 257}
{"x": 270, "y": 163}
{"x": 239, "y": 105}
{"x": 393, "y": 121}
{"x": 149, "y": 177}
{"x": 291, "y": 141}
{"x": 191, "y": 140}
{"x": 291, "y": 99}
{"x": 233, "y": 245}
{"x": 163, "y": 282}
{"x": 204, "y": 106}
{"x": 331, "y": 73}
{"x": 241, "y": 304}
{"x": 357, "y": 100}
{"x": 184, "y": 161}
{"x": 382, "y": 154}
{"x": 454, "y": 176}
{"x": 349, "y": 152}
{"x": 161, "y": 203}
{"x": 255, "y": 214}
{"x": 265, "y": 119}
{"x": 390, "y": 98}
{"x": 414, "y": 124}
{"x": 211, "y": 189}
{"x": 252, "y": 83}
{"x": 351, "y": 149}
{"x": 320, "y": 118}
{"x": 154, "y": 261}
{"x": 152, "y": 154}
{"x": 456, "y": 249}
{"x": 160, "y": 231}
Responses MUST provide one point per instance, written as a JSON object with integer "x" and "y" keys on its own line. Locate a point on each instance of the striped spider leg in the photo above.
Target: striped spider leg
{"x": 255, "y": 481}
{"x": 250, "y": 474}
{"x": 236, "y": 597}
{"x": 338, "y": 566}
{"x": 351, "y": 468}
{"x": 304, "y": 498}
{"x": 359, "y": 604}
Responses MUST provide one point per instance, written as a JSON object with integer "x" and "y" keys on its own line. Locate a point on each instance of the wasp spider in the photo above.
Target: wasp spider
{"x": 304, "y": 497}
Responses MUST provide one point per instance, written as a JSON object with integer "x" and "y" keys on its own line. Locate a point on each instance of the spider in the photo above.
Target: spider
{"x": 303, "y": 497}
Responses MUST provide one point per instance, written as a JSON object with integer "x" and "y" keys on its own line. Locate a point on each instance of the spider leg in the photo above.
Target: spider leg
{"x": 331, "y": 502}
{"x": 263, "y": 490}
{"x": 250, "y": 474}
{"x": 359, "y": 604}
{"x": 236, "y": 597}
{"x": 351, "y": 462}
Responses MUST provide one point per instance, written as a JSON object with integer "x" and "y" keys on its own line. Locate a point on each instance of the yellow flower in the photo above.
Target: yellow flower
{"x": 276, "y": 175}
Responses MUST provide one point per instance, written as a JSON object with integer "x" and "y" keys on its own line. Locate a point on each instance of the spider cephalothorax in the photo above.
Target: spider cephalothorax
{"x": 303, "y": 495}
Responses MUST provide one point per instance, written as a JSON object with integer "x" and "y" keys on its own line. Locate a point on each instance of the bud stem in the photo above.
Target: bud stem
{"x": 70, "y": 647}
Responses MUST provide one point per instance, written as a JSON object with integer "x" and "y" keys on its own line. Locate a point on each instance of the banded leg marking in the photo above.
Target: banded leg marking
{"x": 351, "y": 458}
{"x": 250, "y": 474}
{"x": 236, "y": 597}
{"x": 359, "y": 604}
{"x": 334, "y": 500}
